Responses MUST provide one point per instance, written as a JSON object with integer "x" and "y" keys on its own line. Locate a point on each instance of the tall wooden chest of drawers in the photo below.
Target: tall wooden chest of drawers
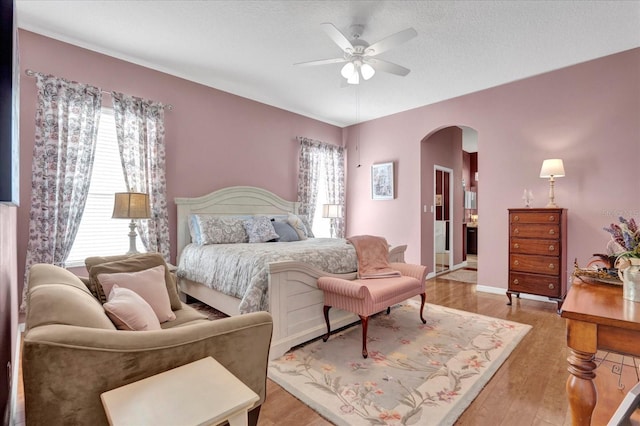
{"x": 538, "y": 253}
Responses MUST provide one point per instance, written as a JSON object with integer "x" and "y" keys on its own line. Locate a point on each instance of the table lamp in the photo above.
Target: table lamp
{"x": 552, "y": 168}
{"x": 131, "y": 205}
{"x": 331, "y": 211}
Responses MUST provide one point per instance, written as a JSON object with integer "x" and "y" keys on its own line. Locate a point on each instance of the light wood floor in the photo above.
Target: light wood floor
{"x": 529, "y": 388}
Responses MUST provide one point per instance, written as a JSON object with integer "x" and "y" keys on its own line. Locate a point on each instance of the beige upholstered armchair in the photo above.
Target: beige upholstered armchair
{"x": 72, "y": 351}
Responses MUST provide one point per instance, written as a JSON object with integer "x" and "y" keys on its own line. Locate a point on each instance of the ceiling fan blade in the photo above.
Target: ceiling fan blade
{"x": 337, "y": 37}
{"x": 390, "y": 67}
{"x": 391, "y": 41}
{"x": 321, "y": 62}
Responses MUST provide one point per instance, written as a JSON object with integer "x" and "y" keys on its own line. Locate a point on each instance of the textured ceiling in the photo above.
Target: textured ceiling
{"x": 249, "y": 47}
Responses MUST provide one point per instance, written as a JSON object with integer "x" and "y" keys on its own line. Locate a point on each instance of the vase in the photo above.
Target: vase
{"x": 622, "y": 263}
{"x": 631, "y": 280}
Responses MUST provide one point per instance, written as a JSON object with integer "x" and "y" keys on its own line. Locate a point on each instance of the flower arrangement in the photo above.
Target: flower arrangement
{"x": 625, "y": 239}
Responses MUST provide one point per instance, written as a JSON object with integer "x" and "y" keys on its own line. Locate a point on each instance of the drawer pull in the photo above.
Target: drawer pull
{"x": 516, "y": 246}
{"x": 551, "y": 286}
{"x": 552, "y": 248}
{"x": 552, "y": 266}
{"x": 552, "y": 232}
{"x": 516, "y": 218}
{"x": 516, "y": 282}
{"x": 515, "y": 262}
{"x": 516, "y": 231}
{"x": 552, "y": 218}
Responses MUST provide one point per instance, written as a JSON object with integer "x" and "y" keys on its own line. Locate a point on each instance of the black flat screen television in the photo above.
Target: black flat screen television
{"x": 9, "y": 104}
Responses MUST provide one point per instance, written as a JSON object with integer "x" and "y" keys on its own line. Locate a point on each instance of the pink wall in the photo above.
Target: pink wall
{"x": 213, "y": 139}
{"x": 587, "y": 114}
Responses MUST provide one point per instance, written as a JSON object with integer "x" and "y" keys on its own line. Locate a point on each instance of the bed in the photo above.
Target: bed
{"x": 294, "y": 300}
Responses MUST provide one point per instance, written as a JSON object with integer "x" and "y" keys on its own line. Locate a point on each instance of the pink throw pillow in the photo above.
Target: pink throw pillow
{"x": 148, "y": 283}
{"x": 128, "y": 311}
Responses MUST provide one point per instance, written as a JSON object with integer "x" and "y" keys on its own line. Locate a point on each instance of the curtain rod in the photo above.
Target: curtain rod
{"x": 31, "y": 73}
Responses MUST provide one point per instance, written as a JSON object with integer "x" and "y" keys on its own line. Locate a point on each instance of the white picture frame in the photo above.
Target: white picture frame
{"x": 382, "y": 181}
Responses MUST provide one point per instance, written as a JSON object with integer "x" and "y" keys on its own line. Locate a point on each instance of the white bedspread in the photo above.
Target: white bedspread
{"x": 240, "y": 270}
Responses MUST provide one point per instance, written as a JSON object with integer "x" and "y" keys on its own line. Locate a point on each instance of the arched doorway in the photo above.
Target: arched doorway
{"x": 449, "y": 157}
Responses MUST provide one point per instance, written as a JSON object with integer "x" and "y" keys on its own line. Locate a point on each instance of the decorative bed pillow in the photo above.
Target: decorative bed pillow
{"x": 260, "y": 230}
{"x": 305, "y": 221}
{"x": 297, "y": 224}
{"x": 285, "y": 231}
{"x": 128, "y": 311}
{"x": 221, "y": 229}
{"x": 149, "y": 284}
{"x": 194, "y": 230}
{"x": 139, "y": 262}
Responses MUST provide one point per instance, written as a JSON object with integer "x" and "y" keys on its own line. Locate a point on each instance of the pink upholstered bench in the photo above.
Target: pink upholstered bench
{"x": 366, "y": 297}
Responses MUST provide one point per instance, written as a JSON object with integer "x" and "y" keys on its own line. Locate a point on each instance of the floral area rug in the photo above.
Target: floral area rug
{"x": 416, "y": 374}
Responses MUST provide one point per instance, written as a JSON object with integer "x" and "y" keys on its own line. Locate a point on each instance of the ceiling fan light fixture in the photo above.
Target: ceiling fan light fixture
{"x": 367, "y": 71}
{"x": 354, "y": 78}
{"x": 348, "y": 70}
{"x": 357, "y": 52}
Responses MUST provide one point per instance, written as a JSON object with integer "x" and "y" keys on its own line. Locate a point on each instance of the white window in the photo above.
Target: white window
{"x": 321, "y": 225}
{"x": 99, "y": 234}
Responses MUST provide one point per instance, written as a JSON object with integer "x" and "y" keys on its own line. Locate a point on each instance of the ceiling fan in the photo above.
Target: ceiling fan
{"x": 359, "y": 56}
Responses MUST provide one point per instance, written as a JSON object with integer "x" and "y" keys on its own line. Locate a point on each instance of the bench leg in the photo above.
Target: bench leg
{"x": 423, "y": 297}
{"x": 365, "y": 322}
{"x": 326, "y": 318}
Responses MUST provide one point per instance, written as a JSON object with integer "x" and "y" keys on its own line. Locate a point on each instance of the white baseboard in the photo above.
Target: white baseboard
{"x": 459, "y": 266}
{"x": 503, "y": 291}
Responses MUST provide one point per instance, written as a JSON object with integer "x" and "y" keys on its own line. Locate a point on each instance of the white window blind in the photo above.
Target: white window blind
{"x": 321, "y": 225}
{"x": 99, "y": 234}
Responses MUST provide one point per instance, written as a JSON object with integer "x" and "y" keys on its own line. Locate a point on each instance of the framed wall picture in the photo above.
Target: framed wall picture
{"x": 382, "y": 182}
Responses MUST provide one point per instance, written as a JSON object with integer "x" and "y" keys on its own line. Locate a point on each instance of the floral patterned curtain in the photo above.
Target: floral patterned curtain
{"x": 308, "y": 173}
{"x": 140, "y": 133}
{"x": 312, "y": 154}
{"x": 67, "y": 119}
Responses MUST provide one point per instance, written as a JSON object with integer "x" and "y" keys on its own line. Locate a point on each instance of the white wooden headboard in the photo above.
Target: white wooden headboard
{"x": 231, "y": 201}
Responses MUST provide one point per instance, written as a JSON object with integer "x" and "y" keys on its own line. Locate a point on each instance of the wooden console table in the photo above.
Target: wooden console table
{"x": 598, "y": 317}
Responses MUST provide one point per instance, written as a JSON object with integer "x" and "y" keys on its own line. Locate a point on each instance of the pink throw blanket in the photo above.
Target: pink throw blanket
{"x": 373, "y": 257}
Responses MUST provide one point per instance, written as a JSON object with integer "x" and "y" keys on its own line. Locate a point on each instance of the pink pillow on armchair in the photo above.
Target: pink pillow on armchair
{"x": 148, "y": 284}
{"x": 128, "y": 311}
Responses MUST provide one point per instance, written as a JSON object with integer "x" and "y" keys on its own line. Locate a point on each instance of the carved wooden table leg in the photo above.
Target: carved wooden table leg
{"x": 581, "y": 390}
{"x": 582, "y": 338}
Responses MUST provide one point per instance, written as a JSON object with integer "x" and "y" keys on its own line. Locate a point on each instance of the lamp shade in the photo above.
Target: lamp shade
{"x": 367, "y": 71}
{"x": 552, "y": 167}
{"x": 131, "y": 205}
{"x": 354, "y": 78}
{"x": 348, "y": 69}
{"x": 331, "y": 210}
